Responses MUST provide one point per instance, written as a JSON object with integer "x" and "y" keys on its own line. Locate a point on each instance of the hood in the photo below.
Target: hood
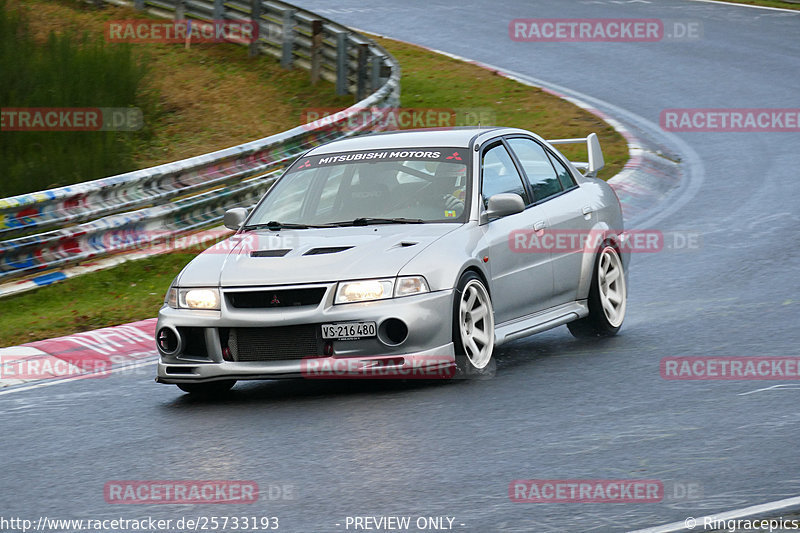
{"x": 311, "y": 255}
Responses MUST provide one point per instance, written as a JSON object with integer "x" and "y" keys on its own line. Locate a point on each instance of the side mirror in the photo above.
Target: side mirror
{"x": 503, "y": 204}
{"x": 234, "y": 218}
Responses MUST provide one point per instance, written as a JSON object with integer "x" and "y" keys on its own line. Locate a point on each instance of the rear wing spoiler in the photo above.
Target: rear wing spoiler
{"x": 596, "y": 161}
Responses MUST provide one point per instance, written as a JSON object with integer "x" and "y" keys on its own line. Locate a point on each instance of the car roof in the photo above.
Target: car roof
{"x": 459, "y": 137}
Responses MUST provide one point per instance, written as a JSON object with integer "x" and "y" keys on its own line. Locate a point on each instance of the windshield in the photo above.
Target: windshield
{"x": 378, "y": 186}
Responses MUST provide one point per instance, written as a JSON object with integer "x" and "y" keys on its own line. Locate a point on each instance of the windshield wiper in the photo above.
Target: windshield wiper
{"x": 274, "y": 225}
{"x": 366, "y": 221}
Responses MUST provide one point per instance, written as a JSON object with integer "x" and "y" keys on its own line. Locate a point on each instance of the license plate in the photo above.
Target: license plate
{"x": 349, "y": 330}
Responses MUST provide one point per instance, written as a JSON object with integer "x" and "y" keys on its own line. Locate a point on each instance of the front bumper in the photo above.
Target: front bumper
{"x": 432, "y": 364}
{"x": 427, "y": 346}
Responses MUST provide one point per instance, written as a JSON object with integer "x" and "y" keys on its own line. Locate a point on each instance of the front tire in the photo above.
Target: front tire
{"x": 473, "y": 326}
{"x": 213, "y": 388}
{"x": 608, "y": 297}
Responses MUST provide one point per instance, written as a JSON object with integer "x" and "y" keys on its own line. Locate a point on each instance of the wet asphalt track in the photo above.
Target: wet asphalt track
{"x": 558, "y": 407}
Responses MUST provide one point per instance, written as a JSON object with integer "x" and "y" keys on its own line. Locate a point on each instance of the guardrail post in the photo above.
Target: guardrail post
{"x": 255, "y": 17}
{"x": 287, "y": 50}
{"x": 219, "y": 10}
{"x": 180, "y": 10}
{"x": 341, "y": 63}
{"x": 361, "y": 72}
{"x": 375, "y": 75}
{"x": 316, "y": 50}
{"x": 386, "y": 71}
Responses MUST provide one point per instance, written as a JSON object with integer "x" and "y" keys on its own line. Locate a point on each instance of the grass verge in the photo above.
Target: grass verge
{"x": 128, "y": 292}
{"x": 208, "y": 97}
{"x": 68, "y": 70}
{"x": 135, "y": 290}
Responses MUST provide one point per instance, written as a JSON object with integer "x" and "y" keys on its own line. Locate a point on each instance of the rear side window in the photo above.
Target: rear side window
{"x": 500, "y": 175}
{"x": 564, "y": 175}
{"x": 538, "y": 168}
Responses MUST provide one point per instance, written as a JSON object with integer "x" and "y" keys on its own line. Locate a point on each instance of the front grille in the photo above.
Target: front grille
{"x": 274, "y": 344}
{"x": 262, "y": 299}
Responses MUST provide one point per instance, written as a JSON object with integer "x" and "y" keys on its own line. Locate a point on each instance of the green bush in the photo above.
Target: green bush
{"x": 68, "y": 70}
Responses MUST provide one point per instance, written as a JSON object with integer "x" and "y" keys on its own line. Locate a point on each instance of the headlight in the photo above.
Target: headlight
{"x": 379, "y": 289}
{"x": 408, "y": 285}
{"x": 198, "y": 298}
{"x": 363, "y": 291}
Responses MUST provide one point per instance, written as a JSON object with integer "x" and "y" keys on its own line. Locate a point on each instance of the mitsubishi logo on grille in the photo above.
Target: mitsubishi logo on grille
{"x": 275, "y": 300}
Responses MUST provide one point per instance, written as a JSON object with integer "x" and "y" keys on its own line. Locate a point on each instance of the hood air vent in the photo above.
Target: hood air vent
{"x": 327, "y": 250}
{"x": 269, "y": 253}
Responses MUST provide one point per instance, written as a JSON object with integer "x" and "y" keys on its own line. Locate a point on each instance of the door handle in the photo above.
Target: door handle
{"x": 539, "y": 226}
{"x": 587, "y": 210}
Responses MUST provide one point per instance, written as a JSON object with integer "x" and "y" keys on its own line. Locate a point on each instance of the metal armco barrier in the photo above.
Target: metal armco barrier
{"x": 85, "y": 220}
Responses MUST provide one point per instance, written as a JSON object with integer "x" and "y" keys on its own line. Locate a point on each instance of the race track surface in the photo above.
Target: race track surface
{"x": 558, "y": 408}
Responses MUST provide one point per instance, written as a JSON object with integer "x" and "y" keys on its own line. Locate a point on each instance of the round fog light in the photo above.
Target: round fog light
{"x": 393, "y": 331}
{"x": 168, "y": 341}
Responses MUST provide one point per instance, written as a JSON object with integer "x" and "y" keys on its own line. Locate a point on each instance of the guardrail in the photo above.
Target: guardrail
{"x": 104, "y": 216}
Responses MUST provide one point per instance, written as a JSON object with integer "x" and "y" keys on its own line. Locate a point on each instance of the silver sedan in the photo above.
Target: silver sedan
{"x": 404, "y": 254}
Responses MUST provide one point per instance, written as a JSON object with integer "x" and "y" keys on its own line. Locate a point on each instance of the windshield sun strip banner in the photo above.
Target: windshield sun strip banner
{"x": 451, "y": 155}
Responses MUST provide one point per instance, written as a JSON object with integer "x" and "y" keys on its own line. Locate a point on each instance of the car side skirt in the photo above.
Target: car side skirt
{"x": 541, "y": 321}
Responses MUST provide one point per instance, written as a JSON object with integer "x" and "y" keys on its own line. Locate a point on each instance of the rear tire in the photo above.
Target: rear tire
{"x": 213, "y": 388}
{"x": 473, "y": 327}
{"x": 608, "y": 298}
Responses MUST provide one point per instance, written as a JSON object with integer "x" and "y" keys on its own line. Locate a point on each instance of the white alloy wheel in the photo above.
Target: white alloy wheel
{"x": 611, "y": 282}
{"x": 476, "y": 323}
